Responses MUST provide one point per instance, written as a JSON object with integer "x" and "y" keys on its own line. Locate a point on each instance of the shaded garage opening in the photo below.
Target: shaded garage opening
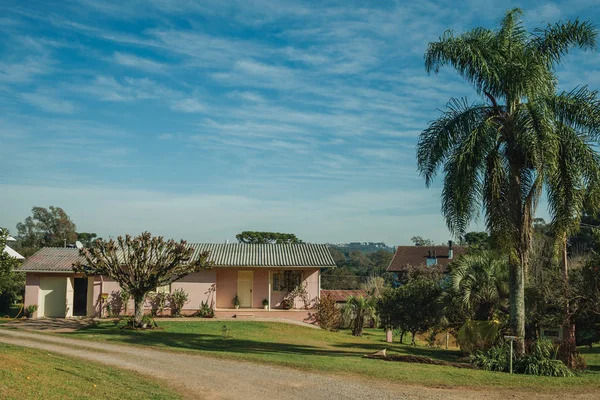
{"x": 80, "y": 295}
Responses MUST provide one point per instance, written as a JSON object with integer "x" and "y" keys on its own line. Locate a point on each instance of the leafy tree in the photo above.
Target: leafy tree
{"x": 46, "y": 227}
{"x": 12, "y": 284}
{"x": 500, "y": 153}
{"x": 252, "y": 237}
{"x": 482, "y": 282}
{"x": 420, "y": 241}
{"x": 338, "y": 256}
{"x": 87, "y": 239}
{"x": 414, "y": 307}
{"x": 341, "y": 278}
{"x": 141, "y": 264}
{"x": 359, "y": 310}
{"x": 478, "y": 240}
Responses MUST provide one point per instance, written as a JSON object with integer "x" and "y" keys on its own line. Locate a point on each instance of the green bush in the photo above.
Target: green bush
{"x": 540, "y": 359}
{"x": 206, "y": 310}
{"x": 476, "y": 336}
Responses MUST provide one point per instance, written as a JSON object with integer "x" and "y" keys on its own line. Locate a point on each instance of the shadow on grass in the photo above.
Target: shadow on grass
{"x": 215, "y": 343}
{"x": 204, "y": 342}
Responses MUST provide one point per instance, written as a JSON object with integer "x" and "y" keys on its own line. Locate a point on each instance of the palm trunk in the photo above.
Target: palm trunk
{"x": 517, "y": 302}
{"x": 139, "y": 310}
{"x": 569, "y": 345}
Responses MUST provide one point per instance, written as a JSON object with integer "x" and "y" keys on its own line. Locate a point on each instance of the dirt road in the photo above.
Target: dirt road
{"x": 200, "y": 377}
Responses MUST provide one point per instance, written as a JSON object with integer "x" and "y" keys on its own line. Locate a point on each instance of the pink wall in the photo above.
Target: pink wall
{"x": 199, "y": 286}
{"x": 32, "y": 290}
{"x": 226, "y": 286}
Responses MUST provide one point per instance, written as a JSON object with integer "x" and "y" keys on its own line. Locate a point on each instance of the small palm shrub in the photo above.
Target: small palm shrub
{"x": 177, "y": 300}
{"x": 359, "y": 310}
{"x": 328, "y": 315}
{"x": 31, "y": 309}
{"x": 541, "y": 359}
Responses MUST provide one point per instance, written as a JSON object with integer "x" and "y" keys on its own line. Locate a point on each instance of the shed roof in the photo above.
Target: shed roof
{"x": 55, "y": 259}
{"x": 417, "y": 255}
{"x": 340, "y": 296}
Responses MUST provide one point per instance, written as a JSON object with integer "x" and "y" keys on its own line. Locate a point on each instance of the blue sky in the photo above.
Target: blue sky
{"x": 198, "y": 120}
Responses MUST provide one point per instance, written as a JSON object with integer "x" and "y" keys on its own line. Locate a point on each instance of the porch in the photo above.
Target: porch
{"x": 255, "y": 286}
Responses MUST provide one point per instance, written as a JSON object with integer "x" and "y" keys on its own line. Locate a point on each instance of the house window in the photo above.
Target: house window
{"x": 164, "y": 289}
{"x": 286, "y": 280}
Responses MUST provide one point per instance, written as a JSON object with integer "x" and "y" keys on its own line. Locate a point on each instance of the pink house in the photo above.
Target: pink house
{"x": 256, "y": 273}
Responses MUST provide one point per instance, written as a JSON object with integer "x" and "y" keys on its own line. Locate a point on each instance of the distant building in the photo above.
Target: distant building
{"x": 8, "y": 250}
{"x": 415, "y": 256}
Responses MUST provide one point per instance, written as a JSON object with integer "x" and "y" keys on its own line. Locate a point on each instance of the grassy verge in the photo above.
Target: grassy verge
{"x": 36, "y": 374}
{"x": 311, "y": 349}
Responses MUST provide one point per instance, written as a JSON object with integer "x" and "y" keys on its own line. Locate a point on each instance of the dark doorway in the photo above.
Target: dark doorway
{"x": 80, "y": 289}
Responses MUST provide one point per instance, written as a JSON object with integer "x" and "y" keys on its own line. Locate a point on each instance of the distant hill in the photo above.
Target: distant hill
{"x": 365, "y": 247}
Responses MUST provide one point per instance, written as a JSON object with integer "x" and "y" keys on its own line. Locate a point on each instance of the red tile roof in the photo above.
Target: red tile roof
{"x": 340, "y": 296}
{"x": 417, "y": 255}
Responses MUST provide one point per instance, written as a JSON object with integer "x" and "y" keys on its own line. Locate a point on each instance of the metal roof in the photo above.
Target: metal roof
{"x": 11, "y": 252}
{"x": 60, "y": 259}
{"x": 416, "y": 256}
{"x": 266, "y": 255}
{"x": 52, "y": 259}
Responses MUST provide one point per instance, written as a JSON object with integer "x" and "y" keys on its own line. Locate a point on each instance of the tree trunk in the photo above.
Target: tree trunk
{"x": 139, "y": 310}
{"x": 517, "y": 303}
{"x": 402, "y": 337}
{"x": 569, "y": 345}
{"x": 413, "y": 343}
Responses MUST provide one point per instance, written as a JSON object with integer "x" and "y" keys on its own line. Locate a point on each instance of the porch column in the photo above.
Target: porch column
{"x": 69, "y": 297}
{"x": 319, "y": 294}
{"x": 269, "y": 306}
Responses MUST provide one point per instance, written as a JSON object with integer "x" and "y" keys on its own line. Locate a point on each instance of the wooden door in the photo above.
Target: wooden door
{"x": 245, "y": 280}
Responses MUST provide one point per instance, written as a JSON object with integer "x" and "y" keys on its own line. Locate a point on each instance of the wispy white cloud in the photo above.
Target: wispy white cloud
{"x": 143, "y": 64}
{"x": 48, "y": 101}
{"x": 188, "y": 106}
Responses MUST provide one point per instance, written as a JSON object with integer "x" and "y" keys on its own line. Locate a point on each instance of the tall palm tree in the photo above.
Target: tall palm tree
{"x": 482, "y": 281}
{"x": 358, "y": 310}
{"x": 498, "y": 154}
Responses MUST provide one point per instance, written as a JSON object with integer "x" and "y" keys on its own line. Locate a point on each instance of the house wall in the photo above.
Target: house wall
{"x": 200, "y": 287}
{"x": 32, "y": 290}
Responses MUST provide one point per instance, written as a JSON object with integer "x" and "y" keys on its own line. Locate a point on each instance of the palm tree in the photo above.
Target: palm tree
{"x": 358, "y": 310}
{"x": 481, "y": 280}
{"x": 498, "y": 154}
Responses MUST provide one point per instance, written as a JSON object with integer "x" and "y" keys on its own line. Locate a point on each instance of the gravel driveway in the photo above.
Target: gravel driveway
{"x": 199, "y": 377}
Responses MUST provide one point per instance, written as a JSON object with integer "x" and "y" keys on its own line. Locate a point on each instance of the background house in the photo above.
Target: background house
{"x": 254, "y": 272}
{"x": 10, "y": 251}
{"x": 416, "y": 256}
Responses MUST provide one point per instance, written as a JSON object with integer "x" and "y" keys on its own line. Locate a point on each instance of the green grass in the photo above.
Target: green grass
{"x": 338, "y": 352}
{"x": 35, "y": 374}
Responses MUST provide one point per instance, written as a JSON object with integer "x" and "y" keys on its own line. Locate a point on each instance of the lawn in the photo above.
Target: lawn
{"x": 338, "y": 352}
{"x": 34, "y": 374}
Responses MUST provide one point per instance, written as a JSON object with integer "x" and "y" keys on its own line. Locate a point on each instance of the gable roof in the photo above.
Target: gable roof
{"x": 61, "y": 259}
{"x": 340, "y": 296}
{"x": 417, "y": 255}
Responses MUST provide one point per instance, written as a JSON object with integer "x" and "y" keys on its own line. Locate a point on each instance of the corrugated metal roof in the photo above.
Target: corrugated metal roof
{"x": 266, "y": 255}
{"x": 60, "y": 259}
{"x": 52, "y": 259}
{"x": 11, "y": 252}
{"x": 416, "y": 256}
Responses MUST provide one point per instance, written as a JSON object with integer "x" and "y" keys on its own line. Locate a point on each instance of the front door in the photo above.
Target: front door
{"x": 245, "y": 279}
{"x": 80, "y": 289}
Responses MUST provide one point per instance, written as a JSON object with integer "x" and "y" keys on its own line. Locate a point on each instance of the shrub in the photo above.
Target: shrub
{"x": 541, "y": 359}
{"x": 476, "y": 336}
{"x": 236, "y": 301}
{"x": 206, "y": 310}
{"x": 328, "y": 315}
{"x": 125, "y": 296}
{"x": 31, "y": 309}
{"x": 177, "y": 300}
{"x": 158, "y": 302}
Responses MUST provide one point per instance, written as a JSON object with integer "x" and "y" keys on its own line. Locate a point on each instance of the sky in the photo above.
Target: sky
{"x": 201, "y": 119}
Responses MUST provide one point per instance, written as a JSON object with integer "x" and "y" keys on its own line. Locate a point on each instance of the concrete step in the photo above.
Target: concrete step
{"x": 243, "y": 315}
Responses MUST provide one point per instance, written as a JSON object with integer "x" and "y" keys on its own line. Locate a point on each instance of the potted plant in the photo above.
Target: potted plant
{"x": 31, "y": 309}
{"x": 236, "y": 301}
{"x": 265, "y": 304}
